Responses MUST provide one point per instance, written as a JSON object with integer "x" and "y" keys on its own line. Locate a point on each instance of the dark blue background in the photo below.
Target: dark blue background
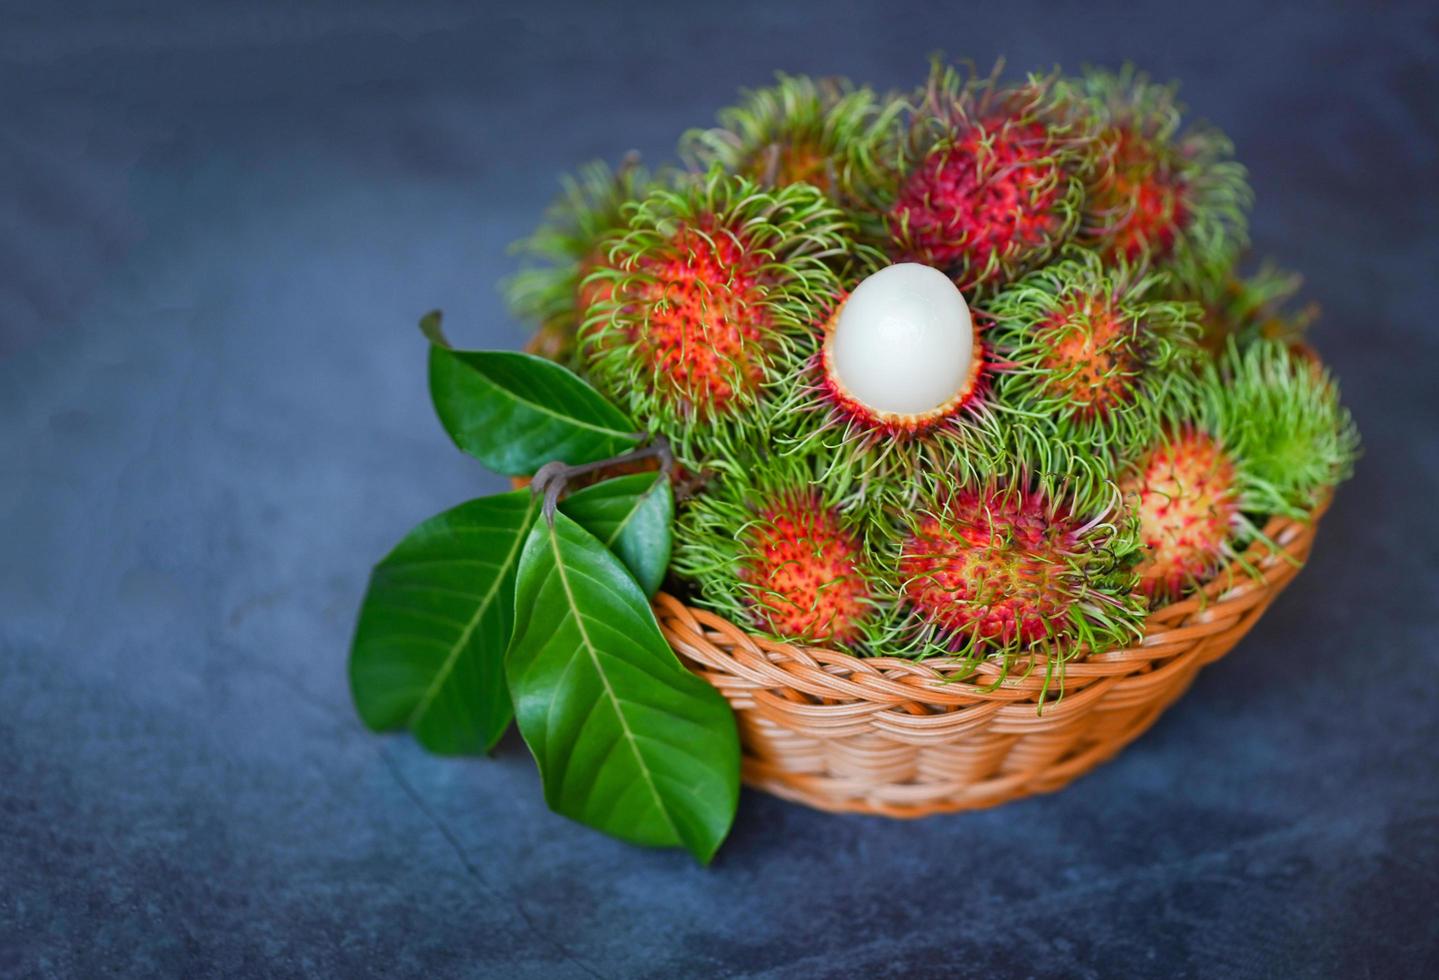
{"x": 217, "y": 228}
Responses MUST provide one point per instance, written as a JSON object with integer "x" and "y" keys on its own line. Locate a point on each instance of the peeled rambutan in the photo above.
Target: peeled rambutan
{"x": 1157, "y": 194}
{"x": 556, "y": 294}
{"x": 709, "y": 289}
{"x": 775, "y": 547}
{"x": 824, "y": 132}
{"x": 995, "y": 567}
{"x": 878, "y": 424}
{"x": 992, "y": 180}
{"x": 1185, "y": 491}
{"x": 1091, "y": 350}
{"x": 900, "y": 379}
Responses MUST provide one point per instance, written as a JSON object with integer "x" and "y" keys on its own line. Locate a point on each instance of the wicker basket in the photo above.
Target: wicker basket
{"x": 899, "y": 738}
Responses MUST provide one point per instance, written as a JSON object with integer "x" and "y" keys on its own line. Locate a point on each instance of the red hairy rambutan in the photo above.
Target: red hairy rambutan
{"x": 1187, "y": 495}
{"x": 994, "y": 567}
{"x": 824, "y": 132}
{"x": 1144, "y": 196}
{"x": 1158, "y": 193}
{"x": 804, "y": 569}
{"x": 992, "y": 185}
{"x": 1091, "y": 366}
{"x": 707, "y": 337}
{"x": 1090, "y": 348}
{"x": 987, "y": 198}
{"x": 989, "y": 567}
{"x": 774, "y": 545}
{"x": 557, "y": 291}
{"x": 707, "y": 292}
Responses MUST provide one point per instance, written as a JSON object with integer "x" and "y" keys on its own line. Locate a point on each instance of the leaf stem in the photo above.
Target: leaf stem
{"x": 552, "y": 479}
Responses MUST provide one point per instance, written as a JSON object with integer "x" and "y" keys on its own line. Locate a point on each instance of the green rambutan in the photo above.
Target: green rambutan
{"x": 823, "y": 132}
{"x": 777, "y": 546}
{"x": 1156, "y": 193}
{"x": 1277, "y": 411}
{"x": 1094, "y": 352}
{"x": 556, "y": 293}
{"x": 991, "y": 180}
{"x": 991, "y": 568}
{"x": 706, "y": 296}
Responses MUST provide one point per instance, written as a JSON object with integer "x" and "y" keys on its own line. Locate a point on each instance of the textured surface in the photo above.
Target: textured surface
{"x": 216, "y": 231}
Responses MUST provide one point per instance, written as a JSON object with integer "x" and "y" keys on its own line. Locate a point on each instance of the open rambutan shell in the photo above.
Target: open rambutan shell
{"x": 879, "y": 425}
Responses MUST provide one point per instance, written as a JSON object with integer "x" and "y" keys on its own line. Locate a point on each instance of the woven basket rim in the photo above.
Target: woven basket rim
{"x": 833, "y": 678}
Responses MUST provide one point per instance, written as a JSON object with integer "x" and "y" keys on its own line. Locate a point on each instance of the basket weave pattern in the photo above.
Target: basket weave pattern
{"x": 901, "y": 738}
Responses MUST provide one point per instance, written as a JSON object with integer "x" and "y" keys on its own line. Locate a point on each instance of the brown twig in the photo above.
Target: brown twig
{"x": 552, "y": 479}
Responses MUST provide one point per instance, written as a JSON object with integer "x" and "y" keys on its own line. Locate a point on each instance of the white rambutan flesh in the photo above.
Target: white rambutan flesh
{"x": 903, "y": 343}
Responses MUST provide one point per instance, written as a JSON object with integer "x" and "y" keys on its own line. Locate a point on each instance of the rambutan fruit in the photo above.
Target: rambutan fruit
{"x": 823, "y": 132}
{"x": 1277, "y": 410}
{"x": 1094, "y": 352}
{"x": 555, "y": 293}
{"x": 1267, "y": 436}
{"x": 1255, "y": 307}
{"x": 709, "y": 291}
{"x": 991, "y": 179}
{"x": 899, "y": 380}
{"x": 1186, "y": 493}
{"x": 776, "y": 546}
{"x": 1158, "y": 194}
{"x": 991, "y": 568}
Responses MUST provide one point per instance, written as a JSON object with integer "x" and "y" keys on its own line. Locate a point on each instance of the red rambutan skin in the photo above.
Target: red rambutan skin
{"x": 993, "y": 194}
{"x": 1138, "y": 200}
{"x": 706, "y": 335}
{"x": 988, "y": 566}
{"x": 807, "y": 569}
{"x": 1091, "y": 363}
{"x": 884, "y": 426}
{"x": 1188, "y": 504}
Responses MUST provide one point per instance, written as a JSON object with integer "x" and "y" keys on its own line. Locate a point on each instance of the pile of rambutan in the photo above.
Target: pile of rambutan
{"x": 972, "y": 372}
{"x": 1126, "y": 409}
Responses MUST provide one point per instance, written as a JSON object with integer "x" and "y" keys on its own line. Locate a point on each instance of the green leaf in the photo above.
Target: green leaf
{"x": 515, "y": 412}
{"x": 627, "y": 740}
{"x": 430, "y": 643}
{"x": 633, "y": 516}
